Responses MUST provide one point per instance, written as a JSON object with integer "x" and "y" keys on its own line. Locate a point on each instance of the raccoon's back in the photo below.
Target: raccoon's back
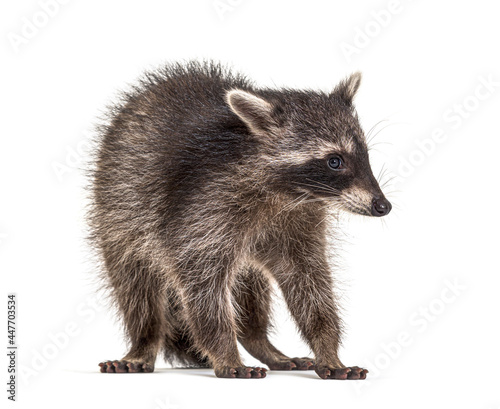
{"x": 165, "y": 139}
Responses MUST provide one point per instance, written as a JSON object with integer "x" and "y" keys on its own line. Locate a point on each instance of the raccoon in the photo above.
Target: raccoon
{"x": 206, "y": 190}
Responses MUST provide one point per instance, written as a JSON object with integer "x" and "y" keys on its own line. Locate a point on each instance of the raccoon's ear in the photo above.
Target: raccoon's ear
{"x": 253, "y": 110}
{"x": 347, "y": 88}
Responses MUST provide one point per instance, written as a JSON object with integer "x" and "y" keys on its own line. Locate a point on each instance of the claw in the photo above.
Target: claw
{"x": 124, "y": 366}
{"x": 241, "y": 372}
{"x": 351, "y": 373}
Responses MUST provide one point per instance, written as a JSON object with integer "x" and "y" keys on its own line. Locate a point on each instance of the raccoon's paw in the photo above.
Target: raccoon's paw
{"x": 245, "y": 372}
{"x": 124, "y": 366}
{"x": 292, "y": 364}
{"x": 352, "y": 372}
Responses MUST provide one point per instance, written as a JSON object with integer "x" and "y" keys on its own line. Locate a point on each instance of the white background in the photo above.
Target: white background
{"x": 419, "y": 289}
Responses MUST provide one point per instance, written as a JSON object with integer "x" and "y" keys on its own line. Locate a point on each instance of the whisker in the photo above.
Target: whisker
{"x": 380, "y": 143}
{"x": 316, "y": 186}
{"x": 322, "y": 220}
{"x": 297, "y": 204}
{"x": 314, "y": 200}
{"x": 387, "y": 182}
{"x": 380, "y": 174}
{"x": 297, "y": 199}
{"x": 354, "y": 205}
{"x": 370, "y": 140}
{"x": 292, "y": 202}
{"x": 322, "y": 184}
{"x": 384, "y": 222}
{"x": 374, "y": 126}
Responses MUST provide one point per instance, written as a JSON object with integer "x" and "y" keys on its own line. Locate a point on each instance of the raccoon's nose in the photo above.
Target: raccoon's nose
{"x": 381, "y": 207}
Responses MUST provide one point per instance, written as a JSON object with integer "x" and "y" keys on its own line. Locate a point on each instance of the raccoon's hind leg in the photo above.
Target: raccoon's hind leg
{"x": 178, "y": 347}
{"x": 252, "y": 293}
{"x": 140, "y": 298}
{"x": 182, "y": 350}
{"x": 210, "y": 315}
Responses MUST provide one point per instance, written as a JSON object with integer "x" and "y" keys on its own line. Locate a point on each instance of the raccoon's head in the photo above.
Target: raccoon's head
{"x": 313, "y": 145}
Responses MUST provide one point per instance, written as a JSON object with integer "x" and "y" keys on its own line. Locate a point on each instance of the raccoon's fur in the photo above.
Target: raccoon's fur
{"x": 205, "y": 189}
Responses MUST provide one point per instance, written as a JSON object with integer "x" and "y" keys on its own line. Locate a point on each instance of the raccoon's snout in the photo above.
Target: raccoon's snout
{"x": 380, "y": 207}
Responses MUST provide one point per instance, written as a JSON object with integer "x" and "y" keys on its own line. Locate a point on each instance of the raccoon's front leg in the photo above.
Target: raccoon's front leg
{"x": 306, "y": 283}
{"x": 252, "y": 292}
{"x": 207, "y": 301}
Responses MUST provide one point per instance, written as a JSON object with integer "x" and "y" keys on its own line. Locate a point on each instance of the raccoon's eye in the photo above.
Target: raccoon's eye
{"x": 335, "y": 163}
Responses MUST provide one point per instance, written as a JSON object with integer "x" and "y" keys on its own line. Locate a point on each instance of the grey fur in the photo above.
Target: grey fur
{"x": 206, "y": 187}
